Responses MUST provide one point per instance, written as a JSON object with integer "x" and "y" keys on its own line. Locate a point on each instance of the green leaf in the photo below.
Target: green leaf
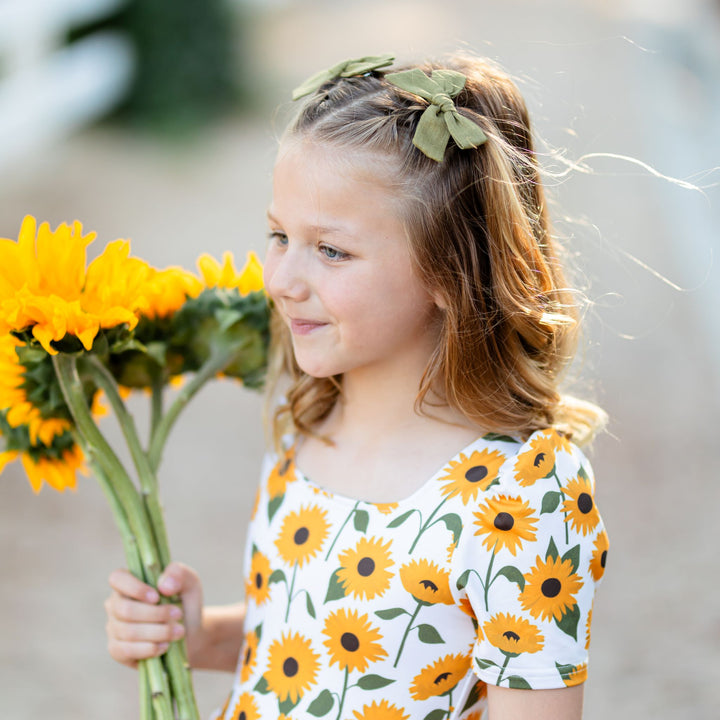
{"x": 552, "y": 550}
{"x": 258, "y": 632}
{"x": 565, "y": 670}
{"x": 462, "y": 580}
{"x": 428, "y": 634}
{"x": 287, "y": 705}
{"x": 309, "y": 604}
{"x": 473, "y": 696}
{"x": 360, "y": 520}
{"x": 158, "y": 352}
{"x": 373, "y": 682}
{"x": 262, "y": 686}
{"x": 276, "y": 576}
{"x": 335, "y": 589}
{"x": 515, "y": 681}
{"x": 453, "y": 524}
{"x": 436, "y": 715}
{"x": 500, "y": 438}
{"x": 322, "y": 704}
{"x": 391, "y": 613}
{"x": 573, "y": 555}
{"x": 569, "y": 621}
{"x": 400, "y": 519}
{"x": 550, "y": 501}
{"x": 485, "y": 664}
{"x": 273, "y": 506}
{"x": 227, "y": 318}
{"x": 583, "y": 474}
{"x": 513, "y": 575}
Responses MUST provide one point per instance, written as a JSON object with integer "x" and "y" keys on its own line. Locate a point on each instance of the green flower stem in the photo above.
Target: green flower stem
{"x": 407, "y": 632}
{"x": 155, "y": 703}
{"x": 156, "y": 403}
{"x": 148, "y": 482}
{"x": 290, "y": 592}
{"x": 427, "y": 523}
{"x": 218, "y": 361}
{"x": 503, "y": 668}
{"x": 342, "y": 527}
{"x": 488, "y": 582}
{"x": 344, "y": 692}
{"x": 99, "y": 448}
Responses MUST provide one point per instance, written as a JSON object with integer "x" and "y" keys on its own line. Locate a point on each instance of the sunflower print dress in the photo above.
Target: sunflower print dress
{"x": 362, "y": 611}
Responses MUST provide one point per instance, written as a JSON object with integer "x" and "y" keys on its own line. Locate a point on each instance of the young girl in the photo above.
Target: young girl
{"x": 425, "y": 542}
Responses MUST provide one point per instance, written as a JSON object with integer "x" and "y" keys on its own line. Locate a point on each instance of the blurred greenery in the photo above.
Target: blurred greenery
{"x": 188, "y": 55}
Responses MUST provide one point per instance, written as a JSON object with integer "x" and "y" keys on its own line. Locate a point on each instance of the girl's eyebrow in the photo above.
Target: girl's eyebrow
{"x": 318, "y": 229}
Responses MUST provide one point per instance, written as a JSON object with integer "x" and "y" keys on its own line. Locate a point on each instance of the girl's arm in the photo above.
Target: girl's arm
{"x": 510, "y": 704}
{"x": 140, "y": 627}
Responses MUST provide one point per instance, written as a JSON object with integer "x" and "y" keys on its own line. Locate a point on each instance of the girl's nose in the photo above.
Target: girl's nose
{"x": 284, "y": 278}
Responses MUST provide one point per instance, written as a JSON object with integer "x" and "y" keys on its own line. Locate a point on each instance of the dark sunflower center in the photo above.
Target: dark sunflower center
{"x": 603, "y": 558}
{"x": 476, "y": 474}
{"x": 285, "y": 466}
{"x": 584, "y": 503}
{"x": 301, "y": 536}
{"x": 290, "y": 667}
{"x": 441, "y": 677}
{"x": 248, "y": 655}
{"x": 350, "y": 642}
{"x": 242, "y": 716}
{"x": 540, "y": 457}
{"x": 551, "y": 587}
{"x": 504, "y": 521}
{"x": 258, "y": 580}
{"x": 510, "y": 635}
{"x": 429, "y": 585}
{"x": 366, "y": 566}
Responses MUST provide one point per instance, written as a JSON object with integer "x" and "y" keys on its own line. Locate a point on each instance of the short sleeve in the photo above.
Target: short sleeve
{"x": 530, "y": 557}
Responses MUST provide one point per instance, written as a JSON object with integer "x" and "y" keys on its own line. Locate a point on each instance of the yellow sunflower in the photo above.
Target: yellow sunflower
{"x": 577, "y": 676}
{"x": 58, "y": 472}
{"x": 245, "y": 708}
{"x": 364, "y": 569}
{"x": 249, "y": 279}
{"x": 352, "y": 640}
{"x": 513, "y": 635}
{"x": 386, "y": 508}
{"x": 506, "y": 521}
{"x": 538, "y": 461}
{"x": 469, "y": 475}
{"x": 599, "y": 556}
{"x": 382, "y": 710}
{"x": 550, "y": 588}
{"x": 167, "y": 290}
{"x": 280, "y": 475}
{"x": 249, "y": 656}
{"x": 256, "y": 584}
{"x": 292, "y": 667}
{"x": 302, "y": 534}
{"x": 440, "y": 677}
{"x": 426, "y": 582}
{"x": 579, "y": 506}
{"x": 588, "y": 626}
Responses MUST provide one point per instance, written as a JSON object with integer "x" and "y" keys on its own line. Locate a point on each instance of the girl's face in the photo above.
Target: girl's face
{"x": 338, "y": 265}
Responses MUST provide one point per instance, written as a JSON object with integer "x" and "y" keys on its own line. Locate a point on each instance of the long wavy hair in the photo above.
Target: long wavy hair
{"x": 481, "y": 241}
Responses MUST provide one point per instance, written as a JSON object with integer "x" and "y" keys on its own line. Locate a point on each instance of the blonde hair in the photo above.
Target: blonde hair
{"x": 481, "y": 240}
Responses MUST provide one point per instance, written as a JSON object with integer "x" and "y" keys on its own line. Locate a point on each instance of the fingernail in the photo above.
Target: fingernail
{"x": 175, "y": 612}
{"x": 163, "y": 647}
{"x": 178, "y": 631}
{"x": 151, "y": 596}
{"x": 168, "y": 585}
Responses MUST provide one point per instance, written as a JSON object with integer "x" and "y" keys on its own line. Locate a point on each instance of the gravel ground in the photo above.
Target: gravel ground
{"x": 597, "y": 80}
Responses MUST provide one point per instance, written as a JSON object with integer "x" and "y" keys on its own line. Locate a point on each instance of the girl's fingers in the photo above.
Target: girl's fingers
{"x": 140, "y": 633}
{"x": 128, "y": 653}
{"x": 125, "y": 583}
{"x": 125, "y": 609}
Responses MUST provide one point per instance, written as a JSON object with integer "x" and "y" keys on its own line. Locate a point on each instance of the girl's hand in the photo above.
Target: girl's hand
{"x": 139, "y": 627}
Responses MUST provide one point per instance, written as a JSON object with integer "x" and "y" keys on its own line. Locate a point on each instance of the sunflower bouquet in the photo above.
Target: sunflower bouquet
{"x": 71, "y": 333}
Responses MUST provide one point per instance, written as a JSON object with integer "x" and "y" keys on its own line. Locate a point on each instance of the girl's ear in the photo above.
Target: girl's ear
{"x": 439, "y": 301}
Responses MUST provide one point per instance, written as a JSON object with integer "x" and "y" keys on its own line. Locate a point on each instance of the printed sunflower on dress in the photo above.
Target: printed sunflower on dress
{"x": 71, "y": 332}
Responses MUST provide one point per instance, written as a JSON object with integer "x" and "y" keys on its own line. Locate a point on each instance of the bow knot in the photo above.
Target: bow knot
{"x": 346, "y": 68}
{"x": 441, "y": 120}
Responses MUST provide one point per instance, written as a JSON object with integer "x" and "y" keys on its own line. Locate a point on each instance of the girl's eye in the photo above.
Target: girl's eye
{"x": 277, "y": 237}
{"x": 332, "y": 253}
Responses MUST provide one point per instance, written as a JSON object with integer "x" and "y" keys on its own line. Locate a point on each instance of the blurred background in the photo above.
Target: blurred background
{"x": 158, "y": 121}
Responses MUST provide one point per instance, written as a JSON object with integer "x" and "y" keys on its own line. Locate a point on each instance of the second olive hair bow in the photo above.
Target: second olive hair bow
{"x": 347, "y": 68}
{"x": 440, "y": 120}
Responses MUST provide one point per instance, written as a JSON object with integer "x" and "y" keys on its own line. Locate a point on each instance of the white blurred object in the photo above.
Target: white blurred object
{"x": 46, "y": 92}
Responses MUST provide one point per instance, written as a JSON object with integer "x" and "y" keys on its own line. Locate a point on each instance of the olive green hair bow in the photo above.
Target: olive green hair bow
{"x": 347, "y": 68}
{"x": 441, "y": 120}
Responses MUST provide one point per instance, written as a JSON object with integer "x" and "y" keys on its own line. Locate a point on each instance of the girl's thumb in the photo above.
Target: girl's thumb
{"x": 177, "y": 579}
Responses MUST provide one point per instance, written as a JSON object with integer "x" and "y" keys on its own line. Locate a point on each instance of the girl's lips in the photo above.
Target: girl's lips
{"x": 304, "y": 327}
